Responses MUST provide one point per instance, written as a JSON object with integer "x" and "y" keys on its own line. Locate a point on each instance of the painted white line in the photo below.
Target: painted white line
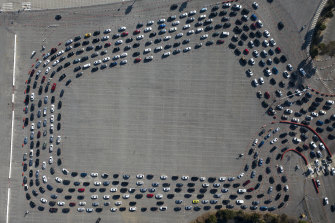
{"x": 12, "y": 133}
{"x": 14, "y": 63}
{"x": 8, "y": 198}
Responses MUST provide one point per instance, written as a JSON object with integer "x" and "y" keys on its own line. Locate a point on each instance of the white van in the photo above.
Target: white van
{"x": 87, "y": 66}
{"x": 240, "y": 202}
{"x": 225, "y": 34}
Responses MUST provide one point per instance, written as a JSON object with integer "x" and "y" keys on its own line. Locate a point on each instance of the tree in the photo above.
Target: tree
{"x": 212, "y": 219}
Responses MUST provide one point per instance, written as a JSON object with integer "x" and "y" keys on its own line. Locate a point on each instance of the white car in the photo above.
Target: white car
{"x": 97, "y": 62}
{"x": 255, "y": 5}
{"x": 255, "y": 142}
{"x": 149, "y": 23}
{"x": 139, "y": 176}
{"x": 44, "y": 165}
{"x": 119, "y": 42}
{"x": 32, "y": 96}
{"x": 123, "y": 62}
{"x": 255, "y": 53}
{"x": 261, "y": 80}
{"x": 148, "y": 50}
{"x": 266, "y": 43}
{"x": 44, "y": 178}
{"x": 132, "y": 209}
{"x": 139, "y": 37}
{"x": 46, "y": 63}
{"x": 161, "y": 21}
{"x": 80, "y": 209}
{"x": 286, "y": 74}
{"x": 330, "y": 102}
{"x": 89, "y": 210}
{"x": 43, "y": 200}
{"x": 266, "y": 34}
{"x": 255, "y": 82}
{"x": 55, "y": 63}
{"x": 241, "y": 191}
{"x": 183, "y": 15}
{"x": 139, "y": 183}
{"x": 296, "y": 140}
{"x": 65, "y": 171}
{"x": 158, "y": 48}
{"x": 107, "y": 31}
{"x": 82, "y": 203}
{"x": 104, "y": 38}
{"x": 123, "y": 55}
{"x": 113, "y": 209}
{"x": 166, "y": 189}
{"x": 289, "y": 67}
{"x": 159, "y": 196}
{"x": 149, "y": 58}
{"x": 221, "y": 179}
{"x": 148, "y": 29}
{"x": 106, "y": 59}
{"x": 179, "y": 35}
{"x": 125, "y": 196}
{"x": 51, "y": 160}
{"x": 60, "y": 203}
{"x": 163, "y": 177}
{"x": 167, "y": 38}
{"x": 251, "y": 61}
{"x": 239, "y": 201}
{"x": 193, "y": 12}
{"x": 226, "y": 5}
{"x": 52, "y": 108}
{"x": 325, "y": 200}
{"x": 58, "y": 180}
{"x": 94, "y": 174}
{"x": 240, "y": 176}
{"x": 190, "y": 32}
{"x": 123, "y": 28}
{"x": 204, "y": 36}
{"x": 166, "y": 54}
{"x": 47, "y": 70}
{"x": 60, "y": 52}
{"x": 202, "y": 16}
{"x": 322, "y": 146}
{"x": 173, "y": 29}
{"x": 175, "y": 23}
{"x": 187, "y": 26}
{"x": 118, "y": 203}
{"x": 58, "y": 140}
{"x": 199, "y": 30}
{"x": 203, "y": 10}
{"x": 187, "y": 49}
{"x": 322, "y": 112}
{"x": 97, "y": 183}
{"x": 93, "y": 197}
{"x": 113, "y": 189}
{"x": 184, "y": 177}
{"x": 272, "y": 42}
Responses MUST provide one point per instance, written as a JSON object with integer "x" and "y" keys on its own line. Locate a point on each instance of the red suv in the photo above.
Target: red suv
{"x": 246, "y": 182}
{"x": 81, "y": 190}
{"x": 53, "y": 86}
{"x": 150, "y": 195}
{"x": 267, "y": 95}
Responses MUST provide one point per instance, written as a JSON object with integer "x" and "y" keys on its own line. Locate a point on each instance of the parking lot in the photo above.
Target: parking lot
{"x": 171, "y": 129}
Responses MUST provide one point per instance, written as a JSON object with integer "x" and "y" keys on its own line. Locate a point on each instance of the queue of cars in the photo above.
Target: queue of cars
{"x": 195, "y": 23}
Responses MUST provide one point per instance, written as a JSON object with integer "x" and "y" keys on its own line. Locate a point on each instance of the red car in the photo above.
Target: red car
{"x": 43, "y": 79}
{"x": 53, "y": 50}
{"x": 32, "y": 72}
{"x": 107, "y": 44}
{"x": 137, "y": 31}
{"x": 150, "y": 195}
{"x": 220, "y": 41}
{"x": 72, "y": 204}
{"x": 278, "y": 50}
{"x": 251, "y": 189}
{"x": 81, "y": 190}
{"x": 38, "y": 134}
{"x": 124, "y": 34}
{"x": 267, "y": 95}
{"x": 137, "y": 60}
{"x": 246, "y": 182}
{"x": 53, "y": 86}
{"x": 246, "y": 51}
{"x": 253, "y": 26}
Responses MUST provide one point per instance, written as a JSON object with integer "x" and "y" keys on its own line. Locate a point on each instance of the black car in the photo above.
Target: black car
{"x": 153, "y": 34}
